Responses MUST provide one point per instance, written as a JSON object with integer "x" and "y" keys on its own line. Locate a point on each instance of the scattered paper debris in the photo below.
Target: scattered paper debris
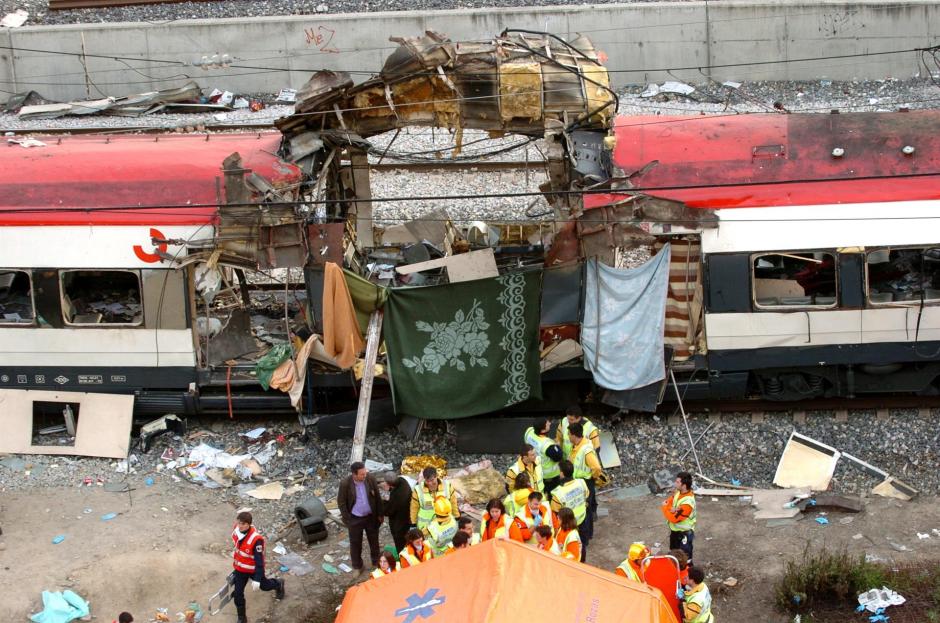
{"x": 732, "y": 582}
{"x": 15, "y": 19}
{"x": 286, "y": 96}
{"x": 270, "y": 491}
{"x": 26, "y": 142}
{"x": 254, "y": 433}
{"x": 375, "y": 466}
{"x": 731, "y": 84}
{"x": 876, "y": 599}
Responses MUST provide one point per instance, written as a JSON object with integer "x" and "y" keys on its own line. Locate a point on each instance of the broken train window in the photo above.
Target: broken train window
{"x": 903, "y": 275}
{"x": 16, "y": 297}
{"x": 799, "y": 279}
{"x": 101, "y": 297}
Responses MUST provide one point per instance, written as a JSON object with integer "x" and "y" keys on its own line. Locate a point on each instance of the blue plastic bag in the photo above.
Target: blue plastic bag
{"x": 60, "y": 608}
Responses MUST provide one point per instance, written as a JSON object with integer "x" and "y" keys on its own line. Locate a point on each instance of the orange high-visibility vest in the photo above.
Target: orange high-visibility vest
{"x": 244, "y": 556}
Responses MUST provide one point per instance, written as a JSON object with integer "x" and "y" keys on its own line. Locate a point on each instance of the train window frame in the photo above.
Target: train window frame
{"x": 101, "y": 325}
{"x": 757, "y": 307}
{"x": 32, "y": 301}
{"x": 916, "y": 302}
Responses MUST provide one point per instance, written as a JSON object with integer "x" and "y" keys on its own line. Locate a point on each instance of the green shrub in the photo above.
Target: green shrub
{"x": 826, "y": 577}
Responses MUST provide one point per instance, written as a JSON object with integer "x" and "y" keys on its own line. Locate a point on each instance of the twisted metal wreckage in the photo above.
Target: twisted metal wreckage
{"x": 318, "y": 209}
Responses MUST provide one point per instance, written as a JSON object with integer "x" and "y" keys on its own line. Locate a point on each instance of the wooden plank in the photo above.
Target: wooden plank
{"x": 373, "y": 337}
{"x": 464, "y": 267}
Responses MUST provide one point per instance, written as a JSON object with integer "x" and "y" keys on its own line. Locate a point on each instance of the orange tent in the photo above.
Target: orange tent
{"x": 500, "y": 582}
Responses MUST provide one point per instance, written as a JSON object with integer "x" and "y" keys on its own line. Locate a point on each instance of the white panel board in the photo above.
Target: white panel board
{"x": 104, "y": 423}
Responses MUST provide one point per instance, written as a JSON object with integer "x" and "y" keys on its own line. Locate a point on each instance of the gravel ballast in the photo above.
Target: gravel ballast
{"x": 905, "y": 445}
{"x": 39, "y": 12}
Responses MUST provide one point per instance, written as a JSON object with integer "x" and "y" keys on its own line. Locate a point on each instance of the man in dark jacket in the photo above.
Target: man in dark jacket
{"x": 398, "y": 507}
{"x": 360, "y": 505}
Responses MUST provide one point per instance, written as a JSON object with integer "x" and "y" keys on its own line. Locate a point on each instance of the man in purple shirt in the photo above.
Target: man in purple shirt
{"x": 360, "y": 505}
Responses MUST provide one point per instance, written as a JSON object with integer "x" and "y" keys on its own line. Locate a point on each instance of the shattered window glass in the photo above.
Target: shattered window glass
{"x": 16, "y": 297}
{"x": 903, "y": 275}
{"x": 804, "y": 279}
{"x": 98, "y": 297}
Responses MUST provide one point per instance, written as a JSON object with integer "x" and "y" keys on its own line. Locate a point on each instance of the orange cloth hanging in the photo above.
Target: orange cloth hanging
{"x": 342, "y": 337}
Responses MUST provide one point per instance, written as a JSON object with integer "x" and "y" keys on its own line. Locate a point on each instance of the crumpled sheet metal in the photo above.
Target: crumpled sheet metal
{"x": 518, "y": 83}
{"x": 520, "y": 89}
{"x": 415, "y": 463}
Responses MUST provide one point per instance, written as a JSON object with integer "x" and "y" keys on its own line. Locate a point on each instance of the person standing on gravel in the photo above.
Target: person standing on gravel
{"x": 680, "y": 514}
{"x": 549, "y": 453}
{"x": 574, "y": 415}
{"x": 360, "y": 505}
{"x": 528, "y": 463}
{"x": 697, "y": 604}
{"x": 424, "y": 495}
{"x": 397, "y": 507}
{"x": 249, "y": 564}
{"x": 573, "y": 493}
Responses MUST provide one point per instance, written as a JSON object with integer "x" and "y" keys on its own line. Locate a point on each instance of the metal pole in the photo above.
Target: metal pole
{"x": 373, "y": 337}
{"x": 672, "y": 377}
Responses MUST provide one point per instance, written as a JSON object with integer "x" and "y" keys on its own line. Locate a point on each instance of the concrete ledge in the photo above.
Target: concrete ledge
{"x": 641, "y": 40}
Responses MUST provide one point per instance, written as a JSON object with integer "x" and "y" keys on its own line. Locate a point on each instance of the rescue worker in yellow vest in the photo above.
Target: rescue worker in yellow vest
{"x": 697, "y": 605}
{"x": 549, "y": 453}
{"x": 534, "y": 514}
{"x": 519, "y": 496}
{"x": 424, "y": 494}
{"x": 679, "y": 511}
{"x": 586, "y": 467}
{"x": 632, "y": 567}
{"x": 440, "y": 532}
{"x": 465, "y": 525}
{"x": 573, "y": 493}
{"x": 573, "y": 415}
{"x": 248, "y": 562}
{"x": 528, "y": 462}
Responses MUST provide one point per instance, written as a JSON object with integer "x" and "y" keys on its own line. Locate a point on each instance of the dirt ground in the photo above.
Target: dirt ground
{"x": 170, "y": 545}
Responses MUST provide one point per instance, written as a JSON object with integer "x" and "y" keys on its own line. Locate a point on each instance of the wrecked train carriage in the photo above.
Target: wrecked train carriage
{"x": 118, "y": 275}
{"x": 820, "y": 275}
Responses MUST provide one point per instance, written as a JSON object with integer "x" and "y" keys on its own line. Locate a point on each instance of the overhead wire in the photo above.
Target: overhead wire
{"x": 149, "y": 209}
{"x": 167, "y": 63}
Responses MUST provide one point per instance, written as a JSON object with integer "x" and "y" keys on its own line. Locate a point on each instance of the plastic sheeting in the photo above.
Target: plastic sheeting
{"x": 505, "y": 576}
{"x": 61, "y": 608}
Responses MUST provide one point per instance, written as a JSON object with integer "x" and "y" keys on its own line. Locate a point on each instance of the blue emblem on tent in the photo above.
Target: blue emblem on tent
{"x": 420, "y": 606}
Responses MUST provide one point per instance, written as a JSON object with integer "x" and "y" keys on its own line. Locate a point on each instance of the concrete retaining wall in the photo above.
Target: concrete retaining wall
{"x": 641, "y": 41}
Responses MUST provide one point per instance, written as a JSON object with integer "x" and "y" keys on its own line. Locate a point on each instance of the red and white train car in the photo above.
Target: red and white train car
{"x": 823, "y": 273}
{"x": 87, "y": 302}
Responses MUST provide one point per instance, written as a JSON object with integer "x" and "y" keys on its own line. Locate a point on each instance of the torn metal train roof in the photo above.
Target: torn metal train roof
{"x": 519, "y": 82}
{"x": 96, "y": 172}
{"x": 758, "y": 160}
